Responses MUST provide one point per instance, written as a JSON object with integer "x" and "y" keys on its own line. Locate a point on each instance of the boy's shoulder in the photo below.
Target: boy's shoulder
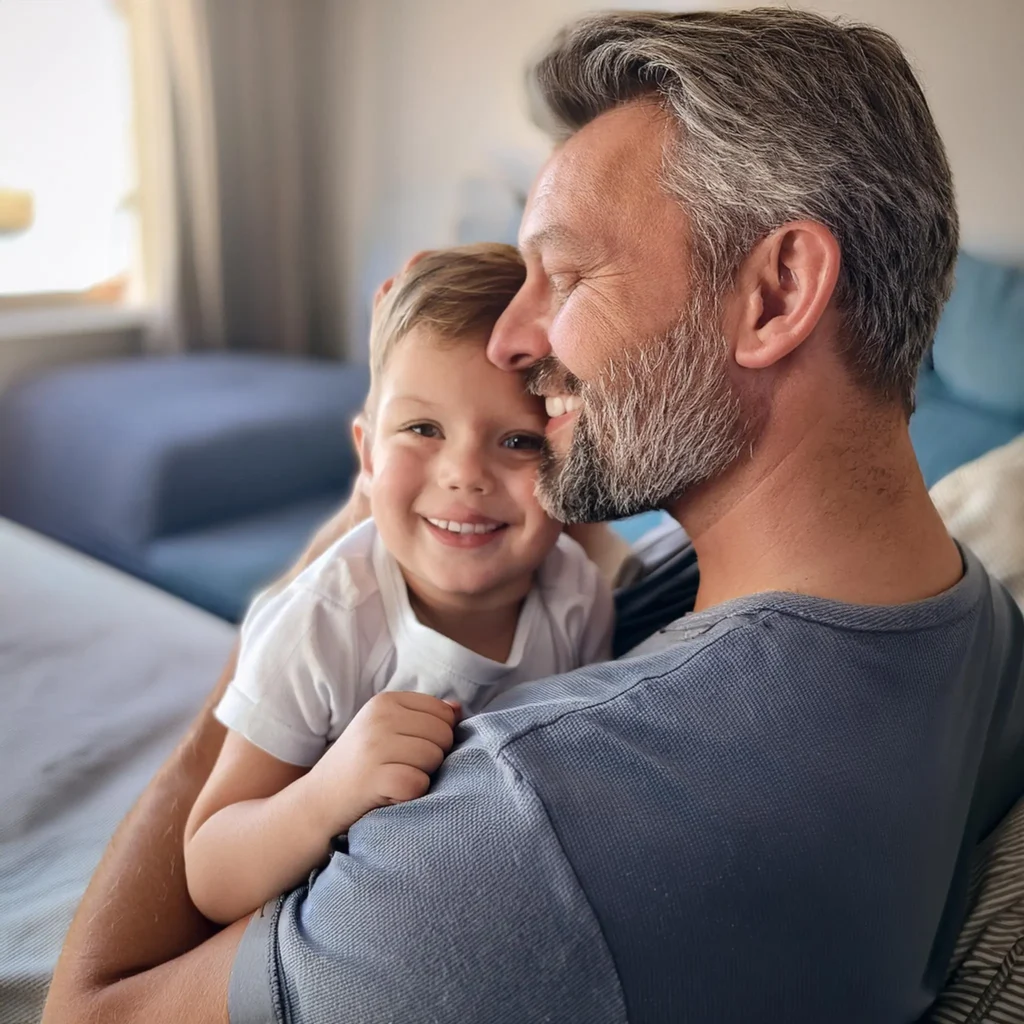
{"x": 345, "y": 575}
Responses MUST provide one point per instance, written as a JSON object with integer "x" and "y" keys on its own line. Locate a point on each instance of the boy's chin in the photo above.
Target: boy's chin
{"x": 470, "y": 587}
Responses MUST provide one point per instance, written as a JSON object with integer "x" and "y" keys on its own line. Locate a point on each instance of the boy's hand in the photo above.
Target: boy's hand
{"x": 387, "y": 754}
{"x": 387, "y": 285}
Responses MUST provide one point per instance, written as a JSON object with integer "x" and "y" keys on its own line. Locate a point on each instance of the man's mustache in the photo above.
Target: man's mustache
{"x": 548, "y": 376}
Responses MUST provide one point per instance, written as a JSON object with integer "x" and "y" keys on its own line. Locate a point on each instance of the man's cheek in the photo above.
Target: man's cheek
{"x": 586, "y": 346}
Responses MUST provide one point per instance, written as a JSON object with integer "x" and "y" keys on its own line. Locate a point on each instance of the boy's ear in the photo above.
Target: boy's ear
{"x": 363, "y": 446}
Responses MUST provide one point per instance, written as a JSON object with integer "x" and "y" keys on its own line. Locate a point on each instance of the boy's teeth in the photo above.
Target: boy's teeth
{"x": 453, "y": 527}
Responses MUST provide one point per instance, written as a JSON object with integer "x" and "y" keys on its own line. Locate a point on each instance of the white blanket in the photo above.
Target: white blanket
{"x": 982, "y": 505}
{"x": 99, "y": 675}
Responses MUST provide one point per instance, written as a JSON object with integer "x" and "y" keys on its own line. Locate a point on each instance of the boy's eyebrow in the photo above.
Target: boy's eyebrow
{"x": 414, "y": 398}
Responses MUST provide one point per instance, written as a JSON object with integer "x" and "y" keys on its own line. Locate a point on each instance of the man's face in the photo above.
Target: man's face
{"x": 623, "y": 342}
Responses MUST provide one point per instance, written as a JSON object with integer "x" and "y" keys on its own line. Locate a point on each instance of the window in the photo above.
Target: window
{"x": 68, "y": 219}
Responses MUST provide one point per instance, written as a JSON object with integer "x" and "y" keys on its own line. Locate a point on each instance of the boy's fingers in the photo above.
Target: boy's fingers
{"x": 415, "y": 258}
{"x": 417, "y": 752}
{"x": 382, "y": 291}
{"x": 447, "y": 710}
{"x": 421, "y": 725}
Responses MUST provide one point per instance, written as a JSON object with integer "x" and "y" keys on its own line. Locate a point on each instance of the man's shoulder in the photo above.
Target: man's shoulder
{"x": 721, "y": 801}
{"x": 608, "y": 690}
{"x": 758, "y": 659}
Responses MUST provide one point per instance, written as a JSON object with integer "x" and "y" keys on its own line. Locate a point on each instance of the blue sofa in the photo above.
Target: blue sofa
{"x": 970, "y": 393}
{"x": 203, "y": 474}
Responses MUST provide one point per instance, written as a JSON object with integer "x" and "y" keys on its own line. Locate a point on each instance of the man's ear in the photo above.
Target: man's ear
{"x": 784, "y": 287}
{"x": 364, "y": 446}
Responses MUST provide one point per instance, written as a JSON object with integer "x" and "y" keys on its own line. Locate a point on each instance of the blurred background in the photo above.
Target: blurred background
{"x": 199, "y": 197}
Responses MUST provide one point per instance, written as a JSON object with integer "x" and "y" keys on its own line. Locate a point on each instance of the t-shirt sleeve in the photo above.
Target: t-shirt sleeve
{"x": 460, "y": 906}
{"x": 297, "y": 679}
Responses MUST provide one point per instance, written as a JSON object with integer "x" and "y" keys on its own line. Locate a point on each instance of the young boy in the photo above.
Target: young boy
{"x": 350, "y": 681}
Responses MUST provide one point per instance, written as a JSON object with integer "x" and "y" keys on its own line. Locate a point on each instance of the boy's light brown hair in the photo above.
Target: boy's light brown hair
{"x": 457, "y": 294}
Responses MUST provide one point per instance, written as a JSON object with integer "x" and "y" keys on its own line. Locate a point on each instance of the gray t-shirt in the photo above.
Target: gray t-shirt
{"x": 767, "y": 815}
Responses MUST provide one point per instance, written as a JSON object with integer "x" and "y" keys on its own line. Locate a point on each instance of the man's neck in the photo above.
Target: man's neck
{"x": 843, "y": 513}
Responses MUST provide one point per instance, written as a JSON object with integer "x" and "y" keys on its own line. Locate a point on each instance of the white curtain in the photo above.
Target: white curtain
{"x": 234, "y": 128}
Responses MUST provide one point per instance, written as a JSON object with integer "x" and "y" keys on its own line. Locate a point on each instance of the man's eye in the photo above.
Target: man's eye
{"x": 524, "y": 442}
{"x": 562, "y": 285}
{"x": 424, "y": 429}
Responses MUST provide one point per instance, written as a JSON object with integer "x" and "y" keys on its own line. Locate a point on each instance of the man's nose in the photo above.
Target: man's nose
{"x": 519, "y": 338}
{"x": 464, "y": 468}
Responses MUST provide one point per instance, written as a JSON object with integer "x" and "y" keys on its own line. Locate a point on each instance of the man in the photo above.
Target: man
{"x": 737, "y": 256}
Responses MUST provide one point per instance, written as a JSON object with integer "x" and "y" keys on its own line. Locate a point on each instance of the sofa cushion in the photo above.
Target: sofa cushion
{"x": 221, "y": 567}
{"x": 982, "y": 505}
{"x": 979, "y": 345}
{"x": 986, "y": 977}
{"x": 948, "y": 433}
{"x": 110, "y": 456}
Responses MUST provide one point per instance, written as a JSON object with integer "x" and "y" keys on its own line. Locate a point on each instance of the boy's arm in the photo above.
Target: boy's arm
{"x": 252, "y": 833}
{"x": 260, "y": 826}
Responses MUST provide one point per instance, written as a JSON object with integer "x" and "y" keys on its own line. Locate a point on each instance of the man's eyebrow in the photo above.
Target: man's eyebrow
{"x": 550, "y": 234}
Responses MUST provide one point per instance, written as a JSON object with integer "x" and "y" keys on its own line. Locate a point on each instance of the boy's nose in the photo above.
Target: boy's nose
{"x": 466, "y": 471}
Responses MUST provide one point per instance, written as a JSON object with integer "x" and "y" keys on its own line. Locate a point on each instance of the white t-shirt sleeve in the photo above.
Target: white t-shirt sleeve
{"x": 298, "y": 680}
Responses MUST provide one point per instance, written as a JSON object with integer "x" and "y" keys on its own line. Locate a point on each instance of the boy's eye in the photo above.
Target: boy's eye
{"x": 524, "y": 442}
{"x": 424, "y": 429}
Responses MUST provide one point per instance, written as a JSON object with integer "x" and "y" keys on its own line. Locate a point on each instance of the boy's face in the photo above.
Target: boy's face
{"x": 451, "y": 461}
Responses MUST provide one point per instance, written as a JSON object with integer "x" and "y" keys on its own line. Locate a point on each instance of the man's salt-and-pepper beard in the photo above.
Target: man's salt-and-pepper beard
{"x": 662, "y": 418}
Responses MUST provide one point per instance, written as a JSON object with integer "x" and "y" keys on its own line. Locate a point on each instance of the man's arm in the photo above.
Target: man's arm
{"x": 137, "y": 949}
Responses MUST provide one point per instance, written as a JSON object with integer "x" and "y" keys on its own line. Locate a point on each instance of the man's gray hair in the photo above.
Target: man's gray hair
{"x": 786, "y": 115}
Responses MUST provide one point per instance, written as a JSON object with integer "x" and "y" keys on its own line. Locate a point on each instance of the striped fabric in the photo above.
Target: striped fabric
{"x": 982, "y": 505}
{"x": 986, "y": 977}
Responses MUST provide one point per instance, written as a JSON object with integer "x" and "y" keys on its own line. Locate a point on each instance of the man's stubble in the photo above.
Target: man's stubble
{"x": 659, "y": 420}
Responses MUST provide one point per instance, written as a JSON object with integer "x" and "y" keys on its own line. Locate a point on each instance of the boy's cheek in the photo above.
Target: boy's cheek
{"x": 399, "y": 475}
{"x": 526, "y": 497}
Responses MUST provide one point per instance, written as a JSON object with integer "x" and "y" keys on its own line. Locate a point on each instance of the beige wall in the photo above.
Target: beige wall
{"x": 434, "y": 87}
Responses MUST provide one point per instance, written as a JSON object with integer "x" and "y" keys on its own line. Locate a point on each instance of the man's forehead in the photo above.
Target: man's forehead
{"x": 616, "y": 154}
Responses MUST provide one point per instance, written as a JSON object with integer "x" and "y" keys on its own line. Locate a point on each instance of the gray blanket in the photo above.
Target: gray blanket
{"x": 99, "y": 675}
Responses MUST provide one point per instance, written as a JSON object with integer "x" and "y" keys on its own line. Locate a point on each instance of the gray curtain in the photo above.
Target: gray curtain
{"x": 242, "y": 233}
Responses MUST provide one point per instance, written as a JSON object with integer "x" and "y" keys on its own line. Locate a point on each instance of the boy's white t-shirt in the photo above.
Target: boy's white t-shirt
{"x": 314, "y": 653}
